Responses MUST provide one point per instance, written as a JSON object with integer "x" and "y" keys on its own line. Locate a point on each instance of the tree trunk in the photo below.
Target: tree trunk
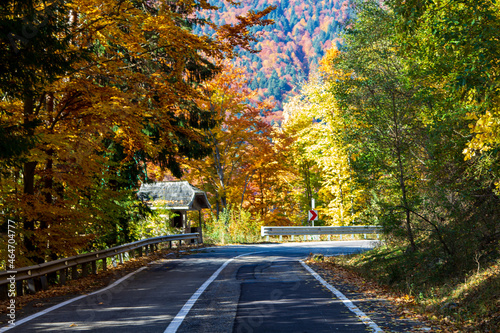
{"x": 401, "y": 171}
{"x": 29, "y": 168}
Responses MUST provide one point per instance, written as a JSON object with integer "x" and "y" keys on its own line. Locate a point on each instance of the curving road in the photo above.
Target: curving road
{"x": 250, "y": 288}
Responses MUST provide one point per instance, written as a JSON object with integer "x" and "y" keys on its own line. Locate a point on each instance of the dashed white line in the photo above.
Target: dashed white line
{"x": 364, "y": 318}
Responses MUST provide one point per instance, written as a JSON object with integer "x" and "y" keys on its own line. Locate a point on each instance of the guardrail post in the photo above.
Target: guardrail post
{"x": 140, "y": 251}
{"x": 4, "y": 291}
{"x": 44, "y": 283}
{"x": 19, "y": 288}
{"x": 120, "y": 258}
{"x": 74, "y": 272}
{"x": 62, "y": 276}
{"x": 94, "y": 267}
{"x": 31, "y": 285}
{"x": 169, "y": 244}
{"x": 105, "y": 264}
{"x": 84, "y": 269}
{"x": 151, "y": 248}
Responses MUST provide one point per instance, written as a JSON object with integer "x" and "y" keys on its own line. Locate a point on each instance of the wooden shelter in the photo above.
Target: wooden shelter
{"x": 178, "y": 196}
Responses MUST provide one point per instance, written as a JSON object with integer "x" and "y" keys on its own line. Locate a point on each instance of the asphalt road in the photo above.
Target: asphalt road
{"x": 252, "y": 288}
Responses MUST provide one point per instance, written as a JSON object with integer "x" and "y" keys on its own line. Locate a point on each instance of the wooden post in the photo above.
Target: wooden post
{"x": 200, "y": 229}
{"x": 94, "y": 267}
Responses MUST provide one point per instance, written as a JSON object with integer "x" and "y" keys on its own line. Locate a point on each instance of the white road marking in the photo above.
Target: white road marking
{"x": 57, "y": 306}
{"x": 41, "y": 313}
{"x": 364, "y": 318}
{"x": 179, "y": 318}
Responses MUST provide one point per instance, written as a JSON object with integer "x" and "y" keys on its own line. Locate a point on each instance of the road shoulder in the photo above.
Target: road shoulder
{"x": 374, "y": 301}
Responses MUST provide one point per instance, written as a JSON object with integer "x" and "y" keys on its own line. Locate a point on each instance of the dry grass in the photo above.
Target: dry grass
{"x": 454, "y": 302}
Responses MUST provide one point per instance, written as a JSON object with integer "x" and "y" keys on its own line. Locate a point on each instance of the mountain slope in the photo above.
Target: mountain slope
{"x": 292, "y": 46}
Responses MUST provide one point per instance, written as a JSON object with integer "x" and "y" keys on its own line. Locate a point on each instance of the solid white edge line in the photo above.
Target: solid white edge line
{"x": 41, "y": 313}
{"x": 179, "y": 318}
{"x": 361, "y": 315}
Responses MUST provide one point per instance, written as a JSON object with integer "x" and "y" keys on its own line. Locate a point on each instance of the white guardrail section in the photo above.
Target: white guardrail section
{"x": 296, "y": 231}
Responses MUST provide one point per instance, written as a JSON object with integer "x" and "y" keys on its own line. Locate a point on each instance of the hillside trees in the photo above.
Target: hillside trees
{"x": 462, "y": 55}
{"x": 243, "y": 171}
{"x": 409, "y": 95}
{"x": 320, "y": 153}
{"x": 108, "y": 87}
{"x": 381, "y": 100}
{"x": 297, "y": 25}
{"x": 455, "y": 49}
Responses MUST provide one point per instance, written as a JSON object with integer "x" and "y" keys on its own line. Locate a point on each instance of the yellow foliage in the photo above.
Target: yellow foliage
{"x": 313, "y": 120}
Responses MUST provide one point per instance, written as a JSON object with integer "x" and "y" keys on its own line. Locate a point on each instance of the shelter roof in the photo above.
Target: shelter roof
{"x": 176, "y": 195}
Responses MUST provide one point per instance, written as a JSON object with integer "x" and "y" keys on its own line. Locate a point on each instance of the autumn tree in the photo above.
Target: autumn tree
{"x": 238, "y": 124}
{"x": 321, "y": 154}
{"x": 457, "y": 45}
{"x": 382, "y": 111}
{"x": 117, "y": 85}
{"x": 414, "y": 81}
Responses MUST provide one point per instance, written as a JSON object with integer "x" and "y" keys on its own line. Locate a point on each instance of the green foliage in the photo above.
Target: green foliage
{"x": 234, "y": 225}
{"x": 408, "y": 126}
{"x": 157, "y": 223}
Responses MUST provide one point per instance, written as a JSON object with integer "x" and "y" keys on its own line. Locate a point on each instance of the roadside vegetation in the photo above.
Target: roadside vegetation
{"x": 456, "y": 296}
{"x": 416, "y": 88}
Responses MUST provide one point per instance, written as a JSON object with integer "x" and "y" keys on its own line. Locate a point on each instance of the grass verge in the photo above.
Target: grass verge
{"x": 454, "y": 299}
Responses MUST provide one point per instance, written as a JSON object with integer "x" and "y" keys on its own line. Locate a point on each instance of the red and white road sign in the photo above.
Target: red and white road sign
{"x": 313, "y": 215}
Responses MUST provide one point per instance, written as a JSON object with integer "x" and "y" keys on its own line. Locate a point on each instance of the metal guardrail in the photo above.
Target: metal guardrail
{"x": 61, "y": 265}
{"x": 295, "y": 231}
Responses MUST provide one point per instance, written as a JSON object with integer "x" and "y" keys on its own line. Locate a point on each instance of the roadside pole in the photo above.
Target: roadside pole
{"x": 312, "y": 207}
